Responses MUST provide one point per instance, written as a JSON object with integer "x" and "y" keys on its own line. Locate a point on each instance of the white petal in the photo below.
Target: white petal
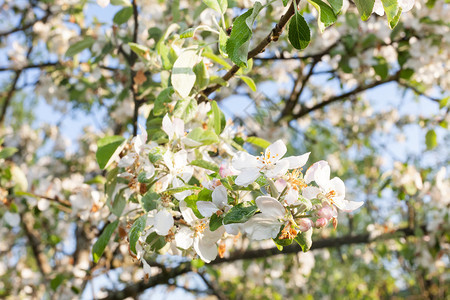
{"x": 247, "y": 176}
{"x": 163, "y": 222}
{"x": 140, "y": 140}
{"x": 322, "y": 177}
{"x": 176, "y": 182}
{"x": 219, "y": 196}
{"x": 309, "y": 174}
{"x": 243, "y": 160}
{"x": 103, "y": 3}
{"x": 146, "y": 267}
{"x": 127, "y": 160}
{"x": 207, "y": 208}
{"x": 167, "y": 126}
{"x": 180, "y": 159}
{"x": 211, "y": 237}
{"x": 346, "y": 205}
{"x": 232, "y": 229}
{"x": 378, "y": 8}
{"x": 291, "y": 196}
{"x": 187, "y": 213}
{"x": 206, "y": 251}
{"x": 310, "y": 192}
{"x": 178, "y": 126}
{"x": 190, "y": 142}
{"x": 259, "y": 227}
{"x": 280, "y": 168}
{"x": 406, "y": 5}
{"x": 270, "y": 207}
{"x": 184, "y": 238}
{"x": 338, "y": 186}
{"x": 296, "y": 162}
{"x": 276, "y": 150}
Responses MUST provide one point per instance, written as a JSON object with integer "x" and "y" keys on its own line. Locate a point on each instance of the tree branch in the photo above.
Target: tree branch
{"x": 319, "y": 244}
{"x": 272, "y": 36}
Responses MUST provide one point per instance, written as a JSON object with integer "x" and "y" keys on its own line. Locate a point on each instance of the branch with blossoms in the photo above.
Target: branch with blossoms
{"x": 194, "y": 186}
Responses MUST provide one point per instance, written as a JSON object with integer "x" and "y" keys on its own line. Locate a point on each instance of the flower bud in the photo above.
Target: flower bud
{"x": 321, "y": 222}
{"x": 305, "y": 224}
{"x": 224, "y": 171}
{"x": 326, "y": 212}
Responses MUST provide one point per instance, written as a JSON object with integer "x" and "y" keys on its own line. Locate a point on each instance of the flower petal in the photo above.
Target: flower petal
{"x": 296, "y": 162}
{"x": 310, "y": 192}
{"x": 207, "y": 208}
{"x": 346, "y": 205}
{"x": 167, "y": 126}
{"x": 219, "y": 196}
{"x": 184, "y": 238}
{"x": 247, "y": 176}
{"x": 270, "y": 207}
{"x": 309, "y": 174}
{"x": 279, "y": 169}
{"x": 338, "y": 186}
{"x": 276, "y": 150}
{"x": 163, "y": 222}
{"x": 260, "y": 227}
{"x": 243, "y": 160}
{"x": 206, "y": 251}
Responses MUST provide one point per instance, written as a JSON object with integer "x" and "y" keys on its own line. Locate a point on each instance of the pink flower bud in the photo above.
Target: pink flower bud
{"x": 224, "y": 171}
{"x": 305, "y": 224}
{"x": 322, "y": 222}
{"x": 326, "y": 212}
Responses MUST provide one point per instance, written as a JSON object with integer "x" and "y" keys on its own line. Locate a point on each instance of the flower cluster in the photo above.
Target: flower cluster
{"x": 198, "y": 187}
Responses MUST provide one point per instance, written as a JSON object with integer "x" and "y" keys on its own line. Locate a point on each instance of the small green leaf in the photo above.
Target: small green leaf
{"x": 181, "y": 189}
{"x": 286, "y": 2}
{"x": 365, "y": 8}
{"x": 239, "y": 41}
{"x": 119, "y": 203}
{"x": 150, "y": 201}
{"x": 206, "y": 137}
{"x": 163, "y": 98}
{"x": 76, "y": 48}
{"x": 155, "y": 241}
{"x": 135, "y": 231}
{"x": 108, "y": 148}
{"x": 299, "y": 33}
{"x": 223, "y": 39}
{"x": 240, "y": 213}
{"x": 393, "y": 12}
{"x": 202, "y": 75}
{"x": 444, "y": 102}
{"x": 123, "y": 15}
{"x": 251, "y": 84}
{"x": 100, "y": 244}
{"x": 326, "y": 14}
{"x": 257, "y": 141}
{"x": 215, "y": 222}
{"x": 336, "y": 5}
{"x": 140, "y": 50}
{"x": 121, "y": 2}
{"x": 382, "y": 68}
{"x": 218, "y": 5}
{"x": 304, "y": 239}
{"x": 185, "y": 109}
{"x": 431, "y": 139}
{"x": 7, "y": 152}
{"x": 216, "y": 116}
{"x": 191, "y": 202}
{"x": 56, "y": 282}
{"x": 205, "y": 165}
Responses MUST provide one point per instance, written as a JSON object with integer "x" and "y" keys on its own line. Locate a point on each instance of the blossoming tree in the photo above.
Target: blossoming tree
{"x": 222, "y": 122}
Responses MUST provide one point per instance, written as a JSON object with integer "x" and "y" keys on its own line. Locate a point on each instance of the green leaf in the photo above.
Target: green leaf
{"x": 336, "y": 5}
{"x": 163, "y": 98}
{"x": 7, "y": 152}
{"x": 56, "y": 282}
{"x": 239, "y": 41}
{"x": 286, "y": 2}
{"x": 304, "y": 239}
{"x": 215, "y": 222}
{"x": 382, "y": 69}
{"x": 181, "y": 189}
{"x": 223, "y": 39}
{"x": 156, "y": 154}
{"x": 155, "y": 241}
{"x": 299, "y": 33}
{"x": 251, "y": 84}
{"x": 216, "y": 59}
{"x": 257, "y": 141}
{"x": 365, "y": 8}
{"x": 216, "y": 116}
{"x": 135, "y": 231}
{"x": 444, "y": 102}
{"x": 183, "y": 76}
{"x": 108, "y": 148}
{"x": 140, "y": 50}
{"x": 431, "y": 139}
{"x": 326, "y": 13}
{"x": 150, "y": 201}
{"x": 76, "y": 48}
{"x": 393, "y": 12}
{"x": 100, "y": 244}
{"x": 123, "y": 15}
{"x": 119, "y": 203}
{"x": 206, "y": 137}
{"x": 185, "y": 109}
{"x": 191, "y": 202}
{"x": 218, "y": 5}
{"x": 240, "y": 213}
{"x": 205, "y": 165}
{"x": 202, "y": 75}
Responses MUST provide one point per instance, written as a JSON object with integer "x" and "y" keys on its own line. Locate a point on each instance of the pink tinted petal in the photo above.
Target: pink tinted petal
{"x": 338, "y": 186}
{"x": 310, "y": 192}
{"x": 309, "y": 174}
